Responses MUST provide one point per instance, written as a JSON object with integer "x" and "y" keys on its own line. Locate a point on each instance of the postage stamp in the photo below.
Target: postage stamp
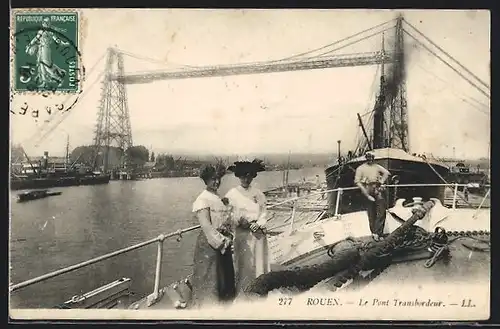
{"x": 46, "y": 56}
{"x": 281, "y": 165}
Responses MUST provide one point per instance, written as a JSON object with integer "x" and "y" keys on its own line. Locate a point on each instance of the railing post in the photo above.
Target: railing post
{"x": 481, "y": 205}
{"x": 455, "y": 192}
{"x": 337, "y": 202}
{"x": 157, "y": 292}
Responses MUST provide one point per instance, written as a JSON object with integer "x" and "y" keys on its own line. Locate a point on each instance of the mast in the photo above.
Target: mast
{"x": 378, "y": 116}
{"x": 364, "y": 132}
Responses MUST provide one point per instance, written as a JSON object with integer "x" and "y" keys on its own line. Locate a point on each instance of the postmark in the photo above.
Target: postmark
{"x": 47, "y": 69}
{"x": 45, "y": 52}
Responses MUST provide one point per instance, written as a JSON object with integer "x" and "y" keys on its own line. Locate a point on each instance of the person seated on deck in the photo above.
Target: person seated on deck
{"x": 369, "y": 178}
{"x": 213, "y": 274}
{"x": 249, "y": 209}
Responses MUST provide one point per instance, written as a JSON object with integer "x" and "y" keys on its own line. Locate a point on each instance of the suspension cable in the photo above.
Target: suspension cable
{"x": 447, "y": 64}
{"x": 66, "y": 113}
{"x": 334, "y": 43}
{"x": 287, "y": 58}
{"x": 62, "y": 116}
{"x": 152, "y": 60}
{"x": 455, "y": 92}
{"x": 448, "y": 55}
{"x": 47, "y": 122}
{"x": 351, "y": 43}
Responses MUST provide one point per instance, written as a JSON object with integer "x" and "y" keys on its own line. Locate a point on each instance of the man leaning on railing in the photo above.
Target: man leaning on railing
{"x": 369, "y": 178}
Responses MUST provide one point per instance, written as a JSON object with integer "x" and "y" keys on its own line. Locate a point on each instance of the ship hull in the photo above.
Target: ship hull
{"x": 39, "y": 183}
{"x": 404, "y": 170}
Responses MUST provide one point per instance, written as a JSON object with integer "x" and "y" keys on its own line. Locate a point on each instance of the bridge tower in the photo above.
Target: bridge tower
{"x": 396, "y": 114}
{"x": 113, "y": 126}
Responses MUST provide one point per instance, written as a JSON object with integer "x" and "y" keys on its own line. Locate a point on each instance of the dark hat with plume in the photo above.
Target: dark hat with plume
{"x": 243, "y": 168}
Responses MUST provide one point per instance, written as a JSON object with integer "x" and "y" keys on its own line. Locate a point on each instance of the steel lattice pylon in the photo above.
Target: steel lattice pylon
{"x": 396, "y": 114}
{"x": 113, "y": 121}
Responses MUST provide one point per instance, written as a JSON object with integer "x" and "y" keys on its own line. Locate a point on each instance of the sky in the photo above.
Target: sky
{"x": 300, "y": 111}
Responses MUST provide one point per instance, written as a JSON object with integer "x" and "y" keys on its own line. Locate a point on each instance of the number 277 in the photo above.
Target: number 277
{"x": 285, "y": 301}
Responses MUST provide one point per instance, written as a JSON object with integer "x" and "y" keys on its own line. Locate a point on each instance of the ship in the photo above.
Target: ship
{"x": 318, "y": 242}
{"x": 388, "y": 141}
{"x": 475, "y": 178}
{"x": 44, "y": 174}
{"x": 25, "y": 182}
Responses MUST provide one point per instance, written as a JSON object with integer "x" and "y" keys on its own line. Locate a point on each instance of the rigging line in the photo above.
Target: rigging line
{"x": 66, "y": 113}
{"x": 372, "y": 91}
{"x": 351, "y": 43}
{"x": 358, "y": 139}
{"x": 366, "y": 113}
{"x": 456, "y": 93}
{"x": 448, "y": 55}
{"x": 447, "y": 64}
{"x": 334, "y": 43}
{"x": 444, "y": 180}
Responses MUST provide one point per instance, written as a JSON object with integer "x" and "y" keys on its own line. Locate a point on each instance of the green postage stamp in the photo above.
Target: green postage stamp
{"x": 45, "y": 51}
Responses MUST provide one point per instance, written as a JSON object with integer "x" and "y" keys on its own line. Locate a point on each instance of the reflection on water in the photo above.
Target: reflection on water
{"x": 89, "y": 221}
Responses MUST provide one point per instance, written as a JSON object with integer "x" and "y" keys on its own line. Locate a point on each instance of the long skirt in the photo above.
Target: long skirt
{"x": 213, "y": 274}
{"x": 250, "y": 256}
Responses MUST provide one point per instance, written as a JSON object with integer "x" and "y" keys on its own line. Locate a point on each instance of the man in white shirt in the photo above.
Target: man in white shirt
{"x": 369, "y": 178}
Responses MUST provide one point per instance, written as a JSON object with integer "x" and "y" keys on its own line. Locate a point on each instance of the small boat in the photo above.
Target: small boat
{"x": 33, "y": 195}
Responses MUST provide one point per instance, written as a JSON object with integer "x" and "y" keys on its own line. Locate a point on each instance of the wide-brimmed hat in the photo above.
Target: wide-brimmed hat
{"x": 243, "y": 168}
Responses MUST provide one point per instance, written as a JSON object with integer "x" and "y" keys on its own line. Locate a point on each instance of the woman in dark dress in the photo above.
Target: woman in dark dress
{"x": 213, "y": 277}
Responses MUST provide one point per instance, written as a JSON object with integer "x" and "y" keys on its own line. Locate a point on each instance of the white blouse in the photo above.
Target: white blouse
{"x": 248, "y": 203}
{"x": 220, "y": 215}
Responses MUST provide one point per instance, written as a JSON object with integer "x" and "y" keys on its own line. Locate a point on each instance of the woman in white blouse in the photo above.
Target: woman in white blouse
{"x": 249, "y": 213}
{"x": 213, "y": 275}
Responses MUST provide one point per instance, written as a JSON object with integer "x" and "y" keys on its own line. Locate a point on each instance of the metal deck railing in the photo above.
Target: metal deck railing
{"x": 161, "y": 238}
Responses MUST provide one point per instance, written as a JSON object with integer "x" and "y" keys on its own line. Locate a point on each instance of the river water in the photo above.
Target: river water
{"x": 88, "y": 221}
